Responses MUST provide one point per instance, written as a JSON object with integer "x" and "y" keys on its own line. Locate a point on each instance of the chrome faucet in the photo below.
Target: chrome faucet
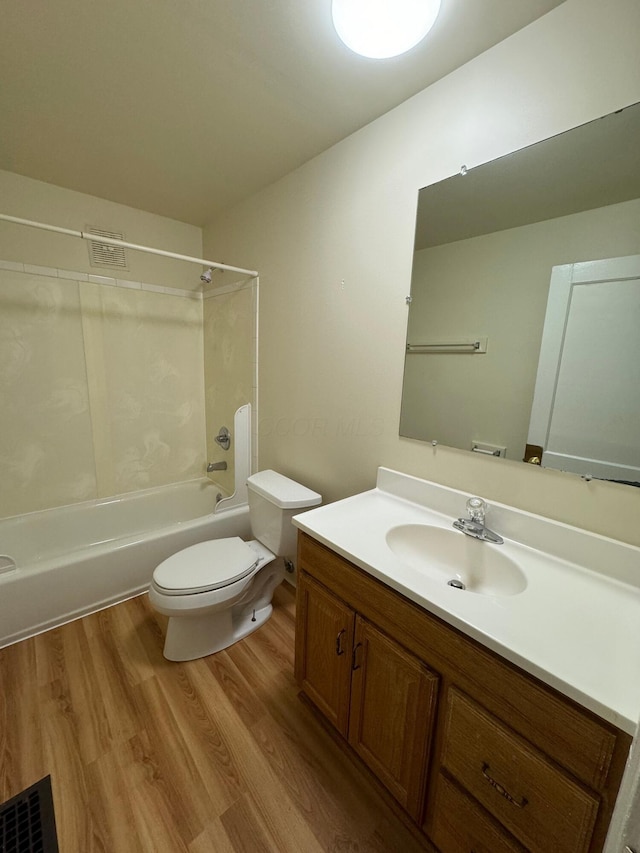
{"x": 474, "y": 525}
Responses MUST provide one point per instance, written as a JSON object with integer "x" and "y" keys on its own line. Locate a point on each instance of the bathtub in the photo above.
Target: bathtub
{"x": 60, "y": 564}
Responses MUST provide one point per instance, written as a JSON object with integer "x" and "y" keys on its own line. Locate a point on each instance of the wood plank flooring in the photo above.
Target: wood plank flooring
{"x": 217, "y": 754}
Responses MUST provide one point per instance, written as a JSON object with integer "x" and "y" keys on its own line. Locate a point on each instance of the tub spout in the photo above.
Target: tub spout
{"x": 216, "y": 466}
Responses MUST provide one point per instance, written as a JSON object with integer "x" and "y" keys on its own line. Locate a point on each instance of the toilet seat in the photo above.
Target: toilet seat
{"x": 205, "y": 567}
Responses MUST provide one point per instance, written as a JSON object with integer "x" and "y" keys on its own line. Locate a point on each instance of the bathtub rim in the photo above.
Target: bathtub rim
{"x": 235, "y": 521}
{"x": 95, "y": 502}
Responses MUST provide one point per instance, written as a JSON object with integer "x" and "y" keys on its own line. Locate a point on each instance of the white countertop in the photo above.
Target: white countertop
{"x": 576, "y": 626}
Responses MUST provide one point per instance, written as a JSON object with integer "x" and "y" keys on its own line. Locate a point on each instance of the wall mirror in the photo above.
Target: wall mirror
{"x": 523, "y": 337}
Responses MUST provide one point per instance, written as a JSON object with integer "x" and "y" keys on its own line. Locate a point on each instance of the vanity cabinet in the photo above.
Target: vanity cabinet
{"x": 482, "y": 756}
{"x": 380, "y": 697}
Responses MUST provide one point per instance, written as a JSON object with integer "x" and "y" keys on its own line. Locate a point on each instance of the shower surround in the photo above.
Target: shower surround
{"x": 103, "y": 434}
{"x": 103, "y": 383}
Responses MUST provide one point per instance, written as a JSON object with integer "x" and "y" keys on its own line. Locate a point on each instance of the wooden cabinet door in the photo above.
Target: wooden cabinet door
{"x": 393, "y": 698}
{"x": 324, "y": 641}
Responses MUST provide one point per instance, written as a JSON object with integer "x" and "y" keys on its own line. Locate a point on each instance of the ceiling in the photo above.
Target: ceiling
{"x": 185, "y": 108}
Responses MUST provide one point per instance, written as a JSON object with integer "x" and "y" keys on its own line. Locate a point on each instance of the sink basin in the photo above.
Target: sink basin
{"x": 457, "y": 559}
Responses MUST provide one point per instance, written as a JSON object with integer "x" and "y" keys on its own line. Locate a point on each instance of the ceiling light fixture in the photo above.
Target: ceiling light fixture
{"x": 380, "y": 29}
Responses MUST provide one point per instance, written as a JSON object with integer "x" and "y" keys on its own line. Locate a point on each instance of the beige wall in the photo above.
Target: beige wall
{"x": 333, "y": 244}
{"x": 35, "y": 200}
{"x": 495, "y": 286}
{"x": 102, "y": 387}
{"x": 102, "y": 391}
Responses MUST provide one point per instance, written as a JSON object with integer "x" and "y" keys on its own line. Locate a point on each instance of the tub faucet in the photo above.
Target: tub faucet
{"x": 474, "y": 525}
{"x": 216, "y": 466}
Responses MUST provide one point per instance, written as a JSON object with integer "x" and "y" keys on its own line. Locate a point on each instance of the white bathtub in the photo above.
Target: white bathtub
{"x": 76, "y": 559}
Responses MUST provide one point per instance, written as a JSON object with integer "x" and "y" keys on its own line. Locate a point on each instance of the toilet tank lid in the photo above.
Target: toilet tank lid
{"x": 282, "y": 491}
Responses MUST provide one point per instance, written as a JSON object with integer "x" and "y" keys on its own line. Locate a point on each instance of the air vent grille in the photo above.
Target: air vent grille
{"x": 27, "y": 821}
{"x": 104, "y": 254}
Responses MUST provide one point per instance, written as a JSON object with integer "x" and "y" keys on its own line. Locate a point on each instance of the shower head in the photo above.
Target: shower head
{"x": 206, "y": 276}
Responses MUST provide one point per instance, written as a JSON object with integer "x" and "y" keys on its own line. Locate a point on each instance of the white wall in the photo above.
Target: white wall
{"x": 333, "y": 244}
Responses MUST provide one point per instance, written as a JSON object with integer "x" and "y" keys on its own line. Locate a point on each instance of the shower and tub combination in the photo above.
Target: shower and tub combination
{"x": 59, "y": 564}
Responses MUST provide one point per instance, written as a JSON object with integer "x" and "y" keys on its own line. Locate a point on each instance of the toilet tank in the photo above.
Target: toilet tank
{"x": 273, "y": 501}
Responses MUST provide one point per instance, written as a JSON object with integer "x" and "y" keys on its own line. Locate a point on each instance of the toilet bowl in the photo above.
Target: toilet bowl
{"x": 217, "y": 592}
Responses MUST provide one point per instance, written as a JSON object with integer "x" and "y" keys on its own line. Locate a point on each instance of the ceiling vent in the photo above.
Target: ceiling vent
{"x": 104, "y": 254}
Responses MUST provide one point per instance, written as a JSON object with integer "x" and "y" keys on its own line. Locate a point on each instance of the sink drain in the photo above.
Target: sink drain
{"x": 456, "y": 584}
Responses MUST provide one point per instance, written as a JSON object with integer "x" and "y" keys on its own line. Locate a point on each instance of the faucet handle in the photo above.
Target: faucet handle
{"x": 477, "y": 509}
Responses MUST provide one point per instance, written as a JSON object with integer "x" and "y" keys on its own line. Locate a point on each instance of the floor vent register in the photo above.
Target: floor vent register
{"x": 27, "y": 821}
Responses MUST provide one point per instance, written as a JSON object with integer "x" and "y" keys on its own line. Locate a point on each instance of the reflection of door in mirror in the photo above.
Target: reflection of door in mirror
{"x": 586, "y": 405}
{"x": 485, "y": 244}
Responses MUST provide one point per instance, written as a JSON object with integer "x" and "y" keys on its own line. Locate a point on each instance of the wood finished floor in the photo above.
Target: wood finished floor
{"x": 217, "y": 754}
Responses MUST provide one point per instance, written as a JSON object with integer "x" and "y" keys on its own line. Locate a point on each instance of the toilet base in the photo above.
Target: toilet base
{"x": 191, "y": 637}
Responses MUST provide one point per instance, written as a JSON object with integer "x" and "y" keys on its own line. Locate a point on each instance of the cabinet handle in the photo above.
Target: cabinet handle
{"x": 355, "y": 665}
{"x": 339, "y": 649}
{"x": 519, "y": 803}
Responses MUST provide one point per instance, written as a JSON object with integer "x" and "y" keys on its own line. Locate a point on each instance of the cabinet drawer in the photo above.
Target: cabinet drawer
{"x": 543, "y": 808}
{"x": 460, "y": 825}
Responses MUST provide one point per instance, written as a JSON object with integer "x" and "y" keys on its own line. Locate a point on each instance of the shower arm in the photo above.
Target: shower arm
{"x": 111, "y": 241}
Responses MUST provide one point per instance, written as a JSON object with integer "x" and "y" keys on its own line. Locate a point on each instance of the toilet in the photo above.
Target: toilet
{"x": 217, "y": 592}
